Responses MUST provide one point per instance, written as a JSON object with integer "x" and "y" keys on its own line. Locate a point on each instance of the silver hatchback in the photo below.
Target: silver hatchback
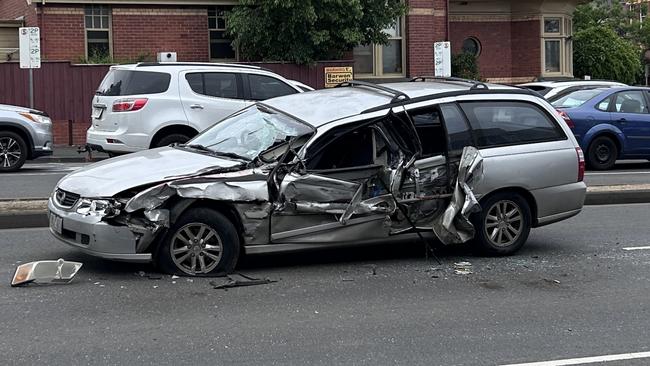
{"x": 361, "y": 163}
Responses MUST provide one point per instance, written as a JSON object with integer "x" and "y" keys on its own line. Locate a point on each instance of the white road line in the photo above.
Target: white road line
{"x": 586, "y": 360}
{"x": 617, "y": 173}
{"x": 636, "y": 248}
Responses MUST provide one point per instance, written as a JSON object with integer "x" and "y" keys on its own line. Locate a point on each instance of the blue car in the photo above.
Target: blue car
{"x": 609, "y": 123}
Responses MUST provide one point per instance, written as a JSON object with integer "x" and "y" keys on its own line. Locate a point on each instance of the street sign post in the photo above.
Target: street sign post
{"x": 29, "y": 41}
{"x": 442, "y": 59}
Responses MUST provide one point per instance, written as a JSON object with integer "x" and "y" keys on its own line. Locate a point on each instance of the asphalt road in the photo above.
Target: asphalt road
{"x": 572, "y": 291}
{"x": 37, "y": 180}
{"x": 34, "y": 180}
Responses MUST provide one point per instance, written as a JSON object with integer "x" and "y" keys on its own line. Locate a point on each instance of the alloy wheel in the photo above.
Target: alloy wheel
{"x": 196, "y": 248}
{"x": 10, "y": 152}
{"x": 503, "y": 223}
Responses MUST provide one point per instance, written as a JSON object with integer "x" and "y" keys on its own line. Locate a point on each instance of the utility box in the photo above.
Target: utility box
{"x": 166, "y": 56}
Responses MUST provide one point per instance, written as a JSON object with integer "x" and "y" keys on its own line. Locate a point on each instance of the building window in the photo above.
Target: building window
{"x": 557, "y": 50}
{"x": 472, "y": 46}
{"x": 220, "y": 45}
{"x": 98, "y": 31}
{"x": 382, "y": 60}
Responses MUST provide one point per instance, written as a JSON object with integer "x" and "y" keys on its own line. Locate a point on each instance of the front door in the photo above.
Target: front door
{"x": 343, "y": 194}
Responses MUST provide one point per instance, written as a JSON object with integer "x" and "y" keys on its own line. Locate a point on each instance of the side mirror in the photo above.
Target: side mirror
{"x": 58, "y": 271}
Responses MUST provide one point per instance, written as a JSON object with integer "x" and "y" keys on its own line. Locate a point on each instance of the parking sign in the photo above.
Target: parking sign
{"x": 30, "y": 47}
{"x": 442, "y": 59}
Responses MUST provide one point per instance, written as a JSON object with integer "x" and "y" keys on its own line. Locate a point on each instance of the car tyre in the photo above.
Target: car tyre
{"x": 13, "y": 151}
{"x": 203, "y": 239}
{"x": 602, "y": 153}
{"x": 177, "y": 138}
{"x": 503, "y": 225}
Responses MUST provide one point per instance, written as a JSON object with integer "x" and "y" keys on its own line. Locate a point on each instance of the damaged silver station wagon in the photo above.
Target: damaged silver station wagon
{"x": 354, "y": 164}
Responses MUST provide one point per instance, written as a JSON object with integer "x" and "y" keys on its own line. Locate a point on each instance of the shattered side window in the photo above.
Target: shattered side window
{"x": 346, "y": 151}
{"x": 250, "y": 132}
{"x": 429, "y": 128}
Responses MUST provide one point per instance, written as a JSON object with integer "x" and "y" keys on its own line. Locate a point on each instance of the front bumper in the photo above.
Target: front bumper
{"x": 97, "y": 238}
{"x": 42, "y": 142}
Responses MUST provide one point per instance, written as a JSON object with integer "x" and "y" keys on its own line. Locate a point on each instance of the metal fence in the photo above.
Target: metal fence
{"x": 65, "y": 91}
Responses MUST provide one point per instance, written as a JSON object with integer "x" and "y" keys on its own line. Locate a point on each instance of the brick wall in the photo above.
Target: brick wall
{"x": 12, "y": 9}
{"x": 62, "y": 33}
{"x": 527, "y": 53}
{"x": 426, "y": 24}
{"x": 138, "y": 31}
{"x": 510, "y": 50}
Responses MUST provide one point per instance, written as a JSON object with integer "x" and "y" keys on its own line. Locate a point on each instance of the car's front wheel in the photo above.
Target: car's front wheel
{"x": 502, "y": 227}
{"x": 13, "y": 151}
{"x": 202, "y": 242}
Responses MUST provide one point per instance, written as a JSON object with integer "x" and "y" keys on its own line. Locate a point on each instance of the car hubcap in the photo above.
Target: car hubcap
{"x": 503, "y": 223}
{"x": 196, "y": 248}
{"x": 9, "y": 152}
{"x": 603, "y": 153}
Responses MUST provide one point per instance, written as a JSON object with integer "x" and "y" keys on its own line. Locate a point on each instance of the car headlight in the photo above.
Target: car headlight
{"x": 103, "y": 208}
{"x": 36, "y": 118}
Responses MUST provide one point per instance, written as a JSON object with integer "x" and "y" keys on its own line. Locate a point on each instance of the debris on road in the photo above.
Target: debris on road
{"x": 240, "y": 280}
{"x": 551, "y": 281}
{"x": 45, "y": 272}
{"x": 151, "y": 276}
{"x": 463, "y": 268}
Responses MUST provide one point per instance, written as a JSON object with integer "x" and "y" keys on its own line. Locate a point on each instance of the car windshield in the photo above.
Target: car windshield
{"x": 249, "y": 132}
{"x": 575, "y": 99}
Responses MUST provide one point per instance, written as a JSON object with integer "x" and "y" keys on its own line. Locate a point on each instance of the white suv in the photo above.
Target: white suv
{"x": 148, "y": 105}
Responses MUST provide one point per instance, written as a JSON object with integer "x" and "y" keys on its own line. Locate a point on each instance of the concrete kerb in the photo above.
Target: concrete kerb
{"x": 32, "y": 212}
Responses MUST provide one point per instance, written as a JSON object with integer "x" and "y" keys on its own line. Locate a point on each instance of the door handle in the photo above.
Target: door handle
{"x": 196, "y": 106}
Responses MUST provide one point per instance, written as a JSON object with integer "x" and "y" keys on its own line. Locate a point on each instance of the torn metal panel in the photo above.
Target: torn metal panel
{"x": 453, "y": 226}
{"x": 150, "y": 198}
{"x": 316, "y": 188}
{"x": 369, "y": 227}
{"x": 255, "y": 218}
{"x": 224, "y": 191}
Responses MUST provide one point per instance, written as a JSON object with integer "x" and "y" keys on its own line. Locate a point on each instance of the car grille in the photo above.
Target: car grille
{"x": 65, "y": 198}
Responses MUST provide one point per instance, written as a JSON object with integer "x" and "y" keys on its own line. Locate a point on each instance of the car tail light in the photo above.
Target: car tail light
{"x": 566, "y": 118}
{"x": 581, "y": 164}
{"x": 129, "y": 105}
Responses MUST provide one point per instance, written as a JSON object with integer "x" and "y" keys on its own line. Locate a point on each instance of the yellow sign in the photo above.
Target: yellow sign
{"x": 337, "y": 75}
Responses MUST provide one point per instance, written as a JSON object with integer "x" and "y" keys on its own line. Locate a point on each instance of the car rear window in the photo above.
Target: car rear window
{"x": 214, "y": 84}
{"x": 510, "y": 123}
{"x": 128, "y": 82}
{"x": 575, "y": 98}
{"x": 265, "y": 87}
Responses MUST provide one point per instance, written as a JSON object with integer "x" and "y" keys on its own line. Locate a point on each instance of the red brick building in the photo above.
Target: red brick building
{"x": 515, "y": 40}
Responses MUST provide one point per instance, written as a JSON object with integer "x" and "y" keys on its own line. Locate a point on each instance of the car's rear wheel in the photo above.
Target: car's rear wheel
{"x": 13, "y": 151}
{"x": 602, "y": 153}
{"x": 177, "y": 138}
{"x": 202, "y": 242}
{"x": 502, "y": 227}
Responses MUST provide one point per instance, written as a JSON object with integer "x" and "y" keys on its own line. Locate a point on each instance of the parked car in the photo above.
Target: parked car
{"x": 609, "y": 123}
{"x": 553, "y": 89}
{"x": 149, "y": 105}
{"x": 294, "y": 173}
{"x": 25, "y": 134}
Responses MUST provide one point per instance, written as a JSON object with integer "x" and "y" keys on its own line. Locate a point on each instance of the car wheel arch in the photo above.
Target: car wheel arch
{"x": 617, "y": 140}
{"x": 172, "y": 129}
{"x": 22, "y": 132}
{"x": 524, "y": 193}
{"x": 227, "y": 209}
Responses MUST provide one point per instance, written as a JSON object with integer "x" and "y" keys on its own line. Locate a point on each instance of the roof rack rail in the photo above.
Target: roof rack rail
{"x": 397, "y": 95}
{"x": 475, "y": 84}
{"x": 214, "y": 64}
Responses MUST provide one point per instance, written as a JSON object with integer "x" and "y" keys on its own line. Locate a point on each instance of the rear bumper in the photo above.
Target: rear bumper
{"x": 125, "y": 142}
{"x": 559, "y": 203}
